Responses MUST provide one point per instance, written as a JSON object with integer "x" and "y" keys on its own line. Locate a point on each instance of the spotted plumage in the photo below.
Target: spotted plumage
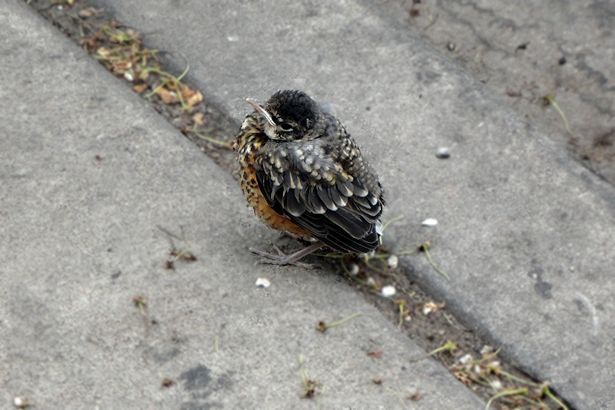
{"x": 304, "y": 174}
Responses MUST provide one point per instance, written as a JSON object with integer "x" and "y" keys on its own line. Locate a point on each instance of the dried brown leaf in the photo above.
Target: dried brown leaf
{"x": 186, "y": 91}
{"x": 198, "y": 118}
{"x": 104, "y": 52}
{"x": 121, "y": 66}
{"x": 195, "y": 99}
{"x": 167, "y": 97}
{"x": 139, "y": 88}
{"x": 87, "y": 12}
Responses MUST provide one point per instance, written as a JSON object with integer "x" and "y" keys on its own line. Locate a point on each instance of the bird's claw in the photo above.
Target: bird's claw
{"x": 280, "y": 258}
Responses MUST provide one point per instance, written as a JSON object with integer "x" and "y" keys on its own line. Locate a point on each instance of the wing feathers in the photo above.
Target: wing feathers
{"x": 341, "y": 212}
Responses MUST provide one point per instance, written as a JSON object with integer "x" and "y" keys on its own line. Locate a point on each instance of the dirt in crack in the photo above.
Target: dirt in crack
{"x": 123, "y": 52}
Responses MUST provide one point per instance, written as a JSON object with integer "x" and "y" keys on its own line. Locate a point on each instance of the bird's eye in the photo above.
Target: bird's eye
{"x": 285, "y": 127}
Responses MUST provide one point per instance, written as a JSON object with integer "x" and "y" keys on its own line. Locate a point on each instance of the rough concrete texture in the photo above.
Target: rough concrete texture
{"x": 527, "y": 50}
{"x": 87, "y": 175}
{"x": 526, "y": 234}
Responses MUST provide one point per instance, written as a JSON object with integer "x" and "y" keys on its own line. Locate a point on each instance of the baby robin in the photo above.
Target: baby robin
{"x": 304, "y": 174}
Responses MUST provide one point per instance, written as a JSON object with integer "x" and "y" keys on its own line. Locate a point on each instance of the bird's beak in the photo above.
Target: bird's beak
{"x": 257, "y": 107}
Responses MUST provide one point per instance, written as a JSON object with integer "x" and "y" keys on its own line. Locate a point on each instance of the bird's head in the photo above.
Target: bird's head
{"x": 290, "y": 115}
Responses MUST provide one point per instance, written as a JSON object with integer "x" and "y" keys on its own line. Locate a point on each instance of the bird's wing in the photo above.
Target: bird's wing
{"x": 303, "y": 183}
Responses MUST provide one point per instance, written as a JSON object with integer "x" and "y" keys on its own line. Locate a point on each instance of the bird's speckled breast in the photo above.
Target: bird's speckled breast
{"x": 247, "y": 145}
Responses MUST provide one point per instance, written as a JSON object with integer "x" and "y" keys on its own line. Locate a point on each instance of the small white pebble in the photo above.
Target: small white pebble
{"x": 443, "y": 153}
{"x": 232, "y": 39}
{"x": 496, "y": 384}
{"x": 408, "y": 318}
{"x": 466, "y": 358}
{"x": 431, "y": 307}
{"x": 371, "y": 281}
{"x": 388, "y": 291}
{"x": 263, "y": 282}
{"x": 495, "y": 364}
{"x": 430, "y": 222}
{"x": 392, "y": 261}
{"x": 128, "y": 75}
{"x": 354, "y": 269}
{"x": 21, "y": 402}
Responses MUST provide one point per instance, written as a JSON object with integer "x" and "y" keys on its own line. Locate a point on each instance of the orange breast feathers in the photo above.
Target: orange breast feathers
{"x": 247, "y": 145}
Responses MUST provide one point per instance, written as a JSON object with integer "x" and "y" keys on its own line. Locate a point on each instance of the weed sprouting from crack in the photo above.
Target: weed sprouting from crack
{"x": 413, "y": 311}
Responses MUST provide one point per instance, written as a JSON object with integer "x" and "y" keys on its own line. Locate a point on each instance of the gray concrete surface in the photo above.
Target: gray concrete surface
{"x": 526, "y": 50}
{"x": 87, "y": 174}
{"x": 526, "y": 234}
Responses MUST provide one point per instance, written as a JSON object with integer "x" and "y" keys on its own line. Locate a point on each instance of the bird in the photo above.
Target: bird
{"x": 304, "y": 174}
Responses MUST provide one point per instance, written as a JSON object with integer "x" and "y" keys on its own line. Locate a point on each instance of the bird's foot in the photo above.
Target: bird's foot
{"x": 280, "y": 258}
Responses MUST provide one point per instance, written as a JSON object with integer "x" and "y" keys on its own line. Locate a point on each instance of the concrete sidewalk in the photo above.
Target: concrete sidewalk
{"x": 88, "y": 173}
{"x": 527, "y": 234}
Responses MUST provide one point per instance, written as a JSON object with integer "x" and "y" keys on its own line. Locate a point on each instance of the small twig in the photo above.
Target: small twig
{"x": 169, "y": 233}
{"x": 183, "y": 254}
{"x": 513, "y": 377}
{"x": 322, "y": 326}
{"x": 448, "y": 346}
{"x": 546, "y": 391}
{"x": 310, "y": 386}
{"x": 448, "y": 319}
{"x": 180, "y": 97}
{"x": 391, "y": 221}
{"x": 403, "y": 311}
{"x": 141, "y": 303}
{"x": 184, "y": 73}
{"x": 504, "y": 393}
{"x": 432, "y": 22}
{"x": 550, "y": 100}
{"x": 224, "y": 144}
{"x": 424, "y": 247}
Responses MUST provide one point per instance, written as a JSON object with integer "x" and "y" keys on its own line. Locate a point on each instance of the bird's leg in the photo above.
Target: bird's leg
{"x": 292, "y": 259}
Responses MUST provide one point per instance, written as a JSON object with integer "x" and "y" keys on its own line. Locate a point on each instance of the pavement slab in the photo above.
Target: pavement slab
{"x": 526, "y": 233}
{"x": 91, "y": 178}
{"x": 561, "y": 49}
